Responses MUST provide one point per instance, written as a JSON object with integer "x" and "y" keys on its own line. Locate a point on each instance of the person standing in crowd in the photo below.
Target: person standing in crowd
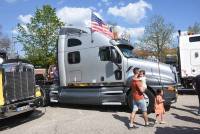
{"x": 197, "y": 88}
{"x": 50, "y": 73}
{"x": 159, "y": 107}
{"x": 55, "y": 75}
{"x": 138, "y": 99}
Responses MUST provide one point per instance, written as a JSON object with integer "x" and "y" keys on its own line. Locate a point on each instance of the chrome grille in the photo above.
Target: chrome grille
{"x": 18, "y": 82}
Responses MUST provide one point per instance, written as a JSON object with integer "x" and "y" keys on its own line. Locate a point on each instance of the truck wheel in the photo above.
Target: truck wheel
{"x": 150, "y": 98}
{"x": 193, "y": 84}
{"x": 44, "y": 98}
{"x": 130, "y": 101}
{"x": 167, "y": 107}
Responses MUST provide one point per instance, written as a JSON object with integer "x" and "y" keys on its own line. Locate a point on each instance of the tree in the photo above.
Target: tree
{"x": 39, "y": 37}
{"x": 195, "y": 28}
{"x": 4, "y": 42}
{"x": 157, "y": 36}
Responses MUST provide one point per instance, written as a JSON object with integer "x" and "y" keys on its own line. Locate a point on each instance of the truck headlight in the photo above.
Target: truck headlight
{"x": 171, "y": 89}
{"x": 38, "y": 92}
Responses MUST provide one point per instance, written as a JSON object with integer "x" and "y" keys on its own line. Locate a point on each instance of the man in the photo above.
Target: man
{"x": 138, "y": 99}
{"x": 197, "y": 81}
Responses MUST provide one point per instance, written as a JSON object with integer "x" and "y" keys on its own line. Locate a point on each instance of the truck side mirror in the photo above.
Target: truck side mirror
{"x": 114, "y": 58}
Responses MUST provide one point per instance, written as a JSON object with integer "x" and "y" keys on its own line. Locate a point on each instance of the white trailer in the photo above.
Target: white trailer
{"x": 189, "y": 58}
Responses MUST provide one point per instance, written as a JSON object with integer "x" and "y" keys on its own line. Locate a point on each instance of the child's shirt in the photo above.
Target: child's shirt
{"x": 144, "y": 84}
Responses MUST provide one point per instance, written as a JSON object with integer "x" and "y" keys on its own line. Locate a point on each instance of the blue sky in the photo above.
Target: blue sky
{"x": 131, "y": 15}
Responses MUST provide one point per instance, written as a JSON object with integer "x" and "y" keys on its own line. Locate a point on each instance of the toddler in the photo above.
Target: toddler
{"x": 159, "y": 107}
{"x": 143, "y": 79}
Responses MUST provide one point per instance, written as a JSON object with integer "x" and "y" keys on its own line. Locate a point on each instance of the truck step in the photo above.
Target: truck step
{"x": 112, "y": 92}
{"x": 111, "y": 103}
{"x": 52, "y": 100}
{"x": 54, "y": 96}
{"x": 54, "y": 92}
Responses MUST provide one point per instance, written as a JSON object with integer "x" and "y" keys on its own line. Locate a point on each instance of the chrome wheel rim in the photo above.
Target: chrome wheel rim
{"x": 146, "y": 98}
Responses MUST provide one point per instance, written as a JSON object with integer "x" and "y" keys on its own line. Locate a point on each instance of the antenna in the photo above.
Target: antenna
{"x": 92, "y": 40}
{"x": 179, "y": 32}
{"x": 12, "y": 41}
{"x": 159, "y": 73}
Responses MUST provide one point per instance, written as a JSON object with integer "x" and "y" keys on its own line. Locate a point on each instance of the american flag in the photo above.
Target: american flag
{"x": 98, "y": 25}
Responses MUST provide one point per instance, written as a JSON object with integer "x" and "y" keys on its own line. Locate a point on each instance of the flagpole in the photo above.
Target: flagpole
{"x": 91, "y": 27}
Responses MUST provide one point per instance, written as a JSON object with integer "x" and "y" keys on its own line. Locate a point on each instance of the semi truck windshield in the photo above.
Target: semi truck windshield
{"x": 126, "y": 50}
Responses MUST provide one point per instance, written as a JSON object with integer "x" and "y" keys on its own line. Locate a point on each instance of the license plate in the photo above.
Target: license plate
{"x": 22, "y": 108}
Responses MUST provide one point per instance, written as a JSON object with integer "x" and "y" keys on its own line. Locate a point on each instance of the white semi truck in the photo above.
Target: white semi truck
{"x": 94, "y": 69}
{"x": 189, "y": 58}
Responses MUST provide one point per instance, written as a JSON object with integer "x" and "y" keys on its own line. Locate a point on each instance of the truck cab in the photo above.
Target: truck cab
{"x": 94, "y": 69}
{"x": 189, "y": 58}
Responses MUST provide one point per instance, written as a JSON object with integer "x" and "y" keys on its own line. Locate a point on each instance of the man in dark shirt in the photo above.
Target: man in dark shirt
{"x": 197, "y": 87}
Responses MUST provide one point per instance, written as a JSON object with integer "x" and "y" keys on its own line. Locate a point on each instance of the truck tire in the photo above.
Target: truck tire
{"x": 43, "y": 102}
{"x": 167, "y": 107}
{"x": 194, "y": 84}
{"x": 151, "y": 99}
{"x": 130, "y": 101}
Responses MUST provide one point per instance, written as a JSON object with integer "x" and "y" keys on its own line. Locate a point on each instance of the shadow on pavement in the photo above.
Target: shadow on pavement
{"x": 192, "y": 111}
{"x": 187, "y": 92}
{"x": 177, "y": 130}
{"x": 187, "y": 119}
{"x": 125, "y": 120}
{"x": 191, "y": 107}
{"x": 20, "y": 119}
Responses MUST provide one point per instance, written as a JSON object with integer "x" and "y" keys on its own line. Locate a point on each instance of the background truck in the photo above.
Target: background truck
{"x": 189, "y": 58}
{"x": 94, "y": 69}
{"x": 18, "y": 92}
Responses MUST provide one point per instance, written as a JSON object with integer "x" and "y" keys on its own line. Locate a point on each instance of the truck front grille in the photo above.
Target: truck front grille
{"x": 18, "y": 84}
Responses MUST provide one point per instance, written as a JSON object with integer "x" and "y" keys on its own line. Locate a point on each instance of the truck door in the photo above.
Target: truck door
{"x": 195, "y": 61}
{"x": 111, "y": 63}
{"x": 195, "y": 57}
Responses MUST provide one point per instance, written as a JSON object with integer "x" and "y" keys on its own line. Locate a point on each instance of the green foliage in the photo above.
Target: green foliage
{"x": 157, "y": 36}
{"x": 39, "y": 37}
{"x": 195, "y": 28}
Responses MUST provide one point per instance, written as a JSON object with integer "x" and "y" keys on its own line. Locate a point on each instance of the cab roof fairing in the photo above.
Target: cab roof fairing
{"x": 74, "y": 30}
{"x": 95, "y": 36}
{"x": 121, "y": 42}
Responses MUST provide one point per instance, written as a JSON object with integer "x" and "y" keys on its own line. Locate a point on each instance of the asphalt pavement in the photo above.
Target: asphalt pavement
{"x": 78, "y": 119}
